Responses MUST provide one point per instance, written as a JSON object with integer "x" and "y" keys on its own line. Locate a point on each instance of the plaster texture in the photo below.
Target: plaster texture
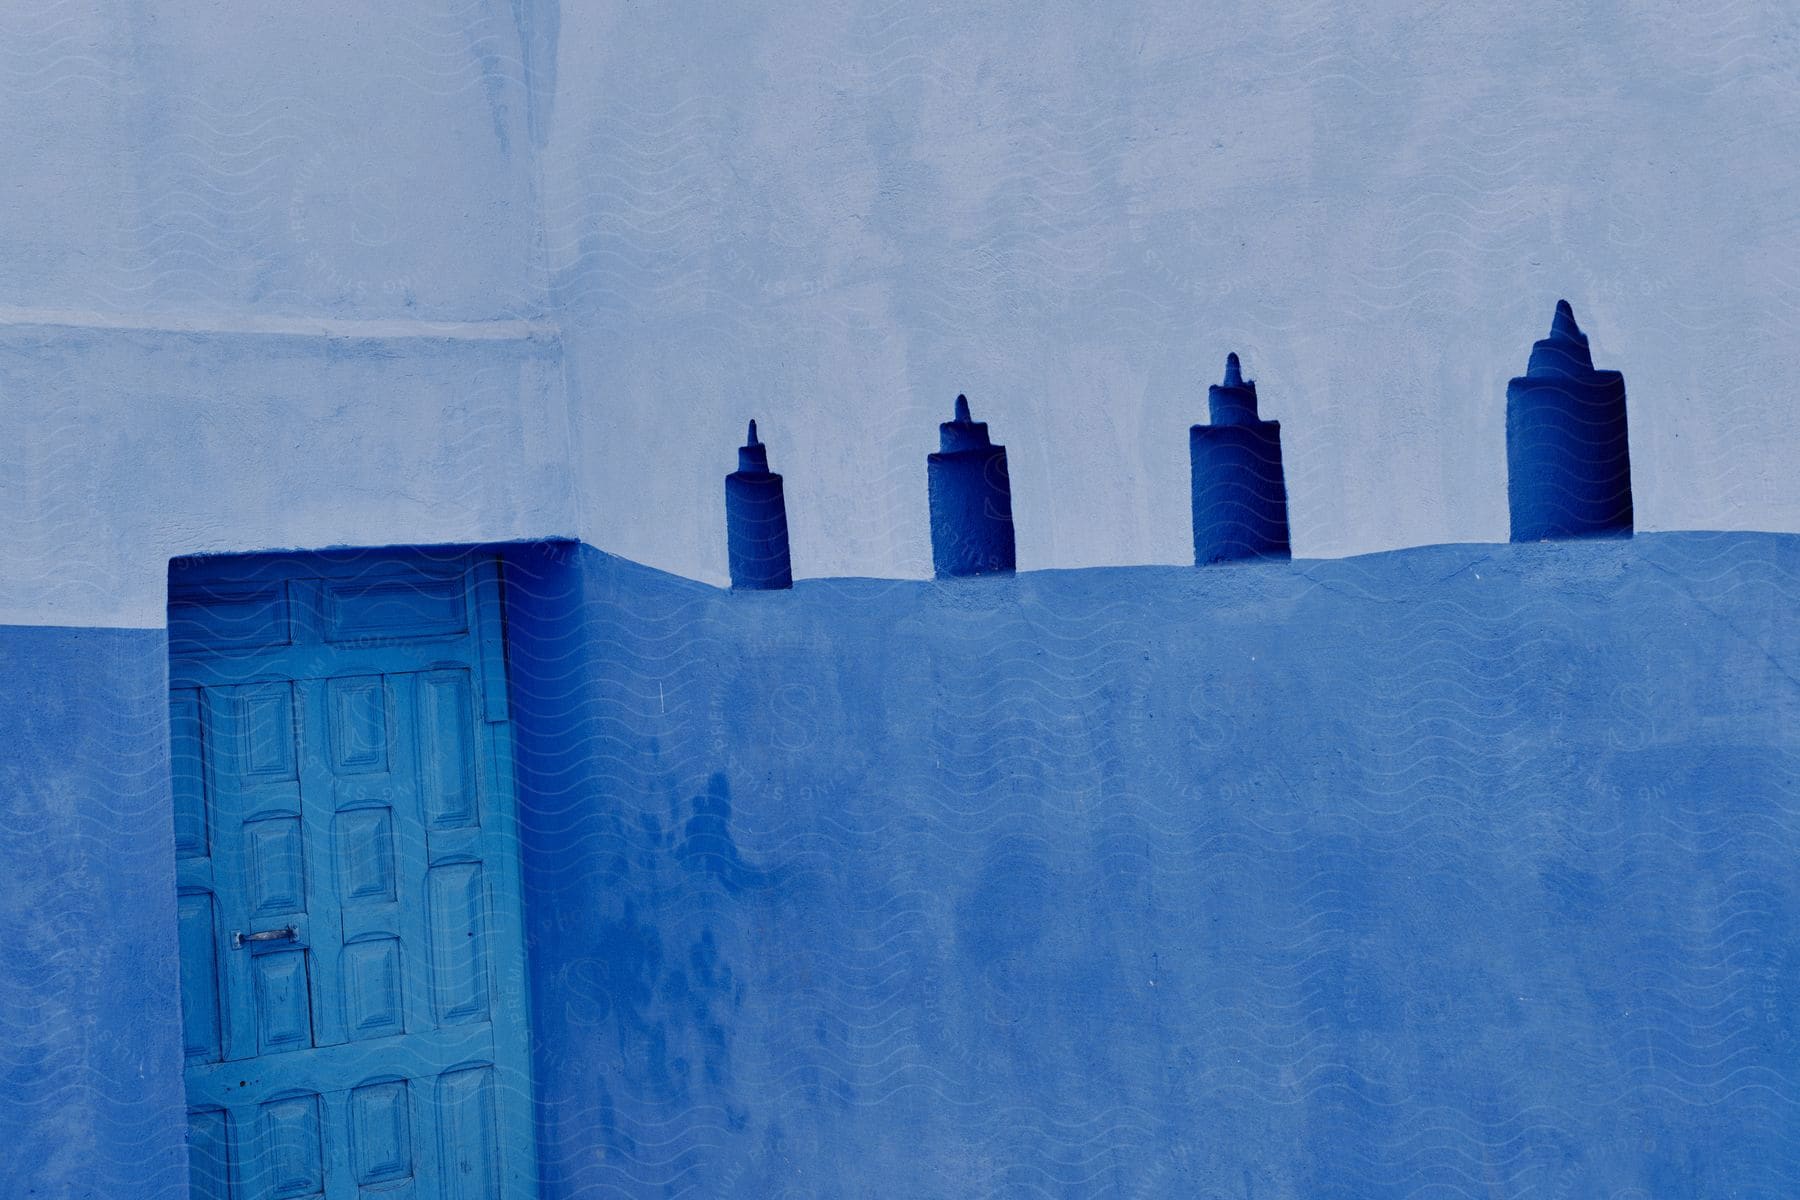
{"x": 834, "y": 223}
{"x": 1449, "y": 870}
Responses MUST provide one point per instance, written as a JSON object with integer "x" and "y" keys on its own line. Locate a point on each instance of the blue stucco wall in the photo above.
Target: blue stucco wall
{"x": 1461, "y": 870}
{"x": 90, "y": 1041}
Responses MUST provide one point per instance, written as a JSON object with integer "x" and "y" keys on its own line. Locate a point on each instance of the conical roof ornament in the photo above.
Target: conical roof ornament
{"x": 971, "y": 499}
{"x": 1240, "y": 491}
{"x": 963, "y": 431}
{"x": 1568, "y": 452}
{"x": 756, "y": 521}
{"x": 1232, "y": 402}
{"x": 753, "y": 456}
{"x": 1563, "y": 326}
{"x": 1564, "y": 353}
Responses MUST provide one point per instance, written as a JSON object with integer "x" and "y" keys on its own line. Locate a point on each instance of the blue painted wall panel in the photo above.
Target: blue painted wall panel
{"x": 1457, "y": 870}
{"x": 90, "y": 1035}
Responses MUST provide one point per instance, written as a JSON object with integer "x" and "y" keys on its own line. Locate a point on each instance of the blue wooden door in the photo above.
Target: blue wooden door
{"x": 352, "y": 960}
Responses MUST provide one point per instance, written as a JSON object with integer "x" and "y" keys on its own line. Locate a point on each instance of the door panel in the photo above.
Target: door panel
{"x": 359, "y": 716}
{"x": 466, "y": 1127}
{"x": 348, "y": 871}
{"x": 259, "y": 741}
{"x": 292, "y": 1154}
{"x": 187, "y": 770}
{"x": 209, "y": 1155}
{"x": 277, "y": 871}
{"x": 381, "y": 1132}
{"x": 372, "y": 1005}
{"x": 198, "y": 933}
{"x": 447, "y": 757}
{"x": 457, "y": 903}
{"x": 283, "y": 1001}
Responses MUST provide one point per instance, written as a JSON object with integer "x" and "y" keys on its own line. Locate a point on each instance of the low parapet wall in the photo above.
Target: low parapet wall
{"x": 1456, "y": 870}
{"x": 1462, "y": 870}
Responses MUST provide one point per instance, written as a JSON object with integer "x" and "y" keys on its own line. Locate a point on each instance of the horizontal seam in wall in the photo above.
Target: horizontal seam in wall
{"x": 324, "y": 327}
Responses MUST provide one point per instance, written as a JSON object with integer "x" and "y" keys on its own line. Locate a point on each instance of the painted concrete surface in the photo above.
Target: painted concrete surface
{"x": 270, "y": 280}
{"x": 343, "y": 160}
{"x": 1457, "y": 870}
{"x": 1454, "y": 870}
{"x": 1464, "y": 868}
{"x": 90, "y": 1032}
{"x": 121, "y": 449}
{"x": 835, "y": 223}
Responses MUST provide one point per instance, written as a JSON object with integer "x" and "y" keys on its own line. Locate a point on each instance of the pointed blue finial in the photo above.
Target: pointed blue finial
{"x": 1232, "y": 402}
{"x": 962, "y": 432}
{"x": 756, "y": 521}
{"x": 971, "y": 499}
{"x": 1240, "y": 492}
{"x": 753, "y": 456}
{"x": 1563, "y": 326}
{"x": 1568, "y": 453}
{"x": 1563, "y": 353}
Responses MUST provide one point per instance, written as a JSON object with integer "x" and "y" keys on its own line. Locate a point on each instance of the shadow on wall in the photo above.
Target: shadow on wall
{"x": 616, "y": 982}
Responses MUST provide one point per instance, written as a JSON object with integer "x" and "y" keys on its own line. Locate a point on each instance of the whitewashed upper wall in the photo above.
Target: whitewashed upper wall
{"x": 835, "y": 218}
{"x": 268, "y": 277}
{"x": 456, "y": 270}
{"x": 336, "y": 157}
{"x": 135, "y": 446}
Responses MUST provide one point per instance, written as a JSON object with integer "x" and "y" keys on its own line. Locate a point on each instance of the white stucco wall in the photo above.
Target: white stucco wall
{"x": 490, "y": 270}
{"x": 1072, "y": 212}
{"x": 268, "y": 277}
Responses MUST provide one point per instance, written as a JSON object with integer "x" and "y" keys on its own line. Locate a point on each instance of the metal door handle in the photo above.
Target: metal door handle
{"x": 240, "y": 940}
